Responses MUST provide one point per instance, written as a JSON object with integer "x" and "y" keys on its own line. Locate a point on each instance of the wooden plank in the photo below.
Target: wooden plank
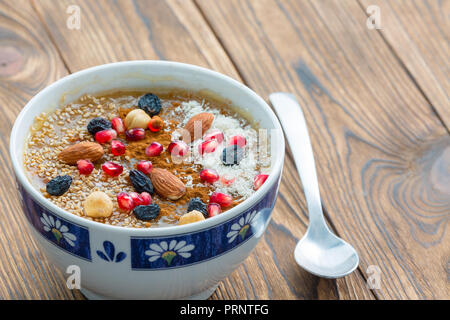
{"x": 419, "y": 31}
{"x": 125, "y": 30}
{"x": 175, "y": 30}
{"x": 382, "y": 154}
{"x": 28, "y": 63}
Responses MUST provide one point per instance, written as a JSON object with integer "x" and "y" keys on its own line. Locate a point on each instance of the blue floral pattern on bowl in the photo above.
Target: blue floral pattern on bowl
{"x": 241, "y": 227}
{"x": 68, "y": 236}
{"x": 109, "y": 253}
{"x": 58, "y": 229}
{"x": 191, "y": 248}
{"x": 147, "y": 253}
{"x": 168, "y": 251}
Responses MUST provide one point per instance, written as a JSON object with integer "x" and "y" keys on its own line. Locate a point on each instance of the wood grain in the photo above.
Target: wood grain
{"x": 419, "y": 33}
{"x": 131, "y": 30}
{"x": 176, "y": 30}
{"x": 28, "y": 63}
{"x": 381, "y": 151}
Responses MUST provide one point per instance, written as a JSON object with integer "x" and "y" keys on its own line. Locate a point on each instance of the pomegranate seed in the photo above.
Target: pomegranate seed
{"x": 259, "y": 180}
{"x": 145, "y": 166}
{"x": 214, "y": 209}
{"x": 105, "y": 136}
{"x": 118, "y": 125}
{"x": 146, "y": 198}
{"x": 208, "y": 146}
{"x": 128, "y": 201}
{"x": 214, "y": 134}
{"x": 227, "y": 181}
{"x": 134, "y": 196}
{"x": 117, "y": 148}
{"x": 85, "y": 167}
{"x": 154, "y": 149}
{"x": 112, "y": 169}
{"x": 239, "y": 140}
{"x": 125, "y": 201}
{"x": 209, "y": 175}
{"x": 178, "y": 148}
{"x": 223, "y": 199}
{"x": 137, "y": 200}
{"x": 135, "y": 134}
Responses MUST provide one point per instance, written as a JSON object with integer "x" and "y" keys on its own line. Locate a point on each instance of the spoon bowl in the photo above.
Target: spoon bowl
{"x": 328, "y": 256}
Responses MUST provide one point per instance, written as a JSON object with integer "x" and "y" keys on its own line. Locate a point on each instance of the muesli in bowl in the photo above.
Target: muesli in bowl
{"x": 117, "y": 254}
{"x": 141, "y": 159}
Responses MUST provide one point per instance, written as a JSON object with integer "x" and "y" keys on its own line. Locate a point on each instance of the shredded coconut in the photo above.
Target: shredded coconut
{"x": 243, "y": 173}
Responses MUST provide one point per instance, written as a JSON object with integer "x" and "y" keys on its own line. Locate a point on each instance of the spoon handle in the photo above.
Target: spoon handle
{"x": 293, "y": 122}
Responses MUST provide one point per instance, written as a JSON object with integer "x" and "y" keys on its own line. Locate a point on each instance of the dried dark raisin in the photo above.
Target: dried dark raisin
{"x": 232, "y": 155}
{"x": 150, "y": 103}
{"x": 147, "y": 212}
{"x": 141, "y": 183}
{"x": 98, "y": 124}
{"x": 59, "y": 185}
{"x": 197, "y": 204}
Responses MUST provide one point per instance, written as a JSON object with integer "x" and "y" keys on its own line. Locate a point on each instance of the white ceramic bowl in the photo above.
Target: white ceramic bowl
{"x": 113, "y": 260}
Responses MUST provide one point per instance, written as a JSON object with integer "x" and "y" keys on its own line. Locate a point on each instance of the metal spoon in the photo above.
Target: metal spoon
{"x": 319, "y": 251}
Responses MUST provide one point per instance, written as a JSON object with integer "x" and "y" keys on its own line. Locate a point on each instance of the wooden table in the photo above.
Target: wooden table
{"x": 376, "y": 102}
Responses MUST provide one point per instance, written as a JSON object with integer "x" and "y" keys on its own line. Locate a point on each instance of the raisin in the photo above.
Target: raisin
{"x": 150, "y": 103}
{"x": 232, "y": 155}
{"x": 147, "y": 212}
{"x": 197, "y": 204}
{"x": 59, "y": 185}
{"x": 98, "y": 124}
{"x": 141, "y": 183}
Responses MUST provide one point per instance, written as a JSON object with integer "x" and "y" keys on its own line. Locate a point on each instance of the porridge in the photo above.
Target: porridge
{"x": 136, "y": 159}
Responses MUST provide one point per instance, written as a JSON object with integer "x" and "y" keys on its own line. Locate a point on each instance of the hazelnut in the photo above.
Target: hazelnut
{"x": 156, "y": 124}
{"x": 190, "y": 217}
{"x": 98, "y": 205}
{"x": 137, "y": 118}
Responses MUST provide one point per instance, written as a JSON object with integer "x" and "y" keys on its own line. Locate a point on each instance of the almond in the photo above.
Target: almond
{"x": 202, "y": 121}
{"x": 166, "y": 184}
{"x": 84, "y": 150}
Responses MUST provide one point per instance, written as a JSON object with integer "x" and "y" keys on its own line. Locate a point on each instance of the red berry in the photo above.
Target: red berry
{"x": 178, "y": 148}
{"x": 134, "y": 196}
{"x": 112, "y": 169}
{"x": 135, "y": 134}
{"x": 105, "y": 136}
{"x": 208, "y": 146}
{"x": 223, "y": 199}
{"x": 146, "y": 198}
{"x": 137, "y": 200}
{"x": 259, "y": 180}
{"x": 209, "y": 175}
{"x": 125, "y": 201}
{"x": 117, "y": 148}
{"x": 239, "y": 140}
{"x": 154, "y": 149}
{"x": 226, "y": 181}
{"x": 214, "y": 134}
{"x": 145, "y": 166}
{"x": 85, "y": 167}
{"x": 214, "y": 209}
{"x": 152, "y": 128}
{"x": 118, "y": 125}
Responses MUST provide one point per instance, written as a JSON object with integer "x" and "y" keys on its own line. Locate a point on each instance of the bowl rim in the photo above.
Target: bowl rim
{"x": 209, "y": 223}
